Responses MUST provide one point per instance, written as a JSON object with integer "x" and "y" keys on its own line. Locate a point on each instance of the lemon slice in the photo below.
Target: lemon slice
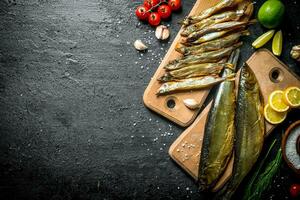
{"x": 277, "y": 43}
{"x": 272, "y": 116}
{"x": 292, "y": 96}
{"x": 263, "y": 39}
{"x": 276, "y": 101}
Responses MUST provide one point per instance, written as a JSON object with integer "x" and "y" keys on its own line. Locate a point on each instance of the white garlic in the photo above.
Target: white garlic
{"x": 139, "y": 45}
{"x": 191, "y": 104}
{"x": 295, "y": 52}
{"x": 162, "y": 32}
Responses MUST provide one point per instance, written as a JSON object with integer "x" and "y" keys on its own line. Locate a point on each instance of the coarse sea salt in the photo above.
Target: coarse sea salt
{"x": 290, "y": 149}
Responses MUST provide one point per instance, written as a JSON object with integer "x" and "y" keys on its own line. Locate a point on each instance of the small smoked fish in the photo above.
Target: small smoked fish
{"x": 250, "y": 131}
{"x": 211, "y": 45}
{"x": 210, "y": 11}
{"x": 219, "y": 131}
{"x": 193, "y": 71}
{"x": 209, "y": 36}
{"x": 189, "y": 84}
{"x": 218, "y": 18}
{"x": 206, "y": 57}
{"x": 217, "y": 27}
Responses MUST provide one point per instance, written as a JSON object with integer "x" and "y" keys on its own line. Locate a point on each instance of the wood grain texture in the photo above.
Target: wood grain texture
{"x": 186, "y": 150}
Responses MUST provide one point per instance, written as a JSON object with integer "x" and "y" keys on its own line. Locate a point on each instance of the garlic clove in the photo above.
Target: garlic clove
{"x": 162, "y": 32}
{"x": 191, "y": 104}
{"x": 295, "y": 52}
{"x": 139, "y": 45}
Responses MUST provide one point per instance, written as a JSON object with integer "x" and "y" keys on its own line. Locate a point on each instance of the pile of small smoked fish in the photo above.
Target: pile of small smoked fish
{"x": 208, "y": 39}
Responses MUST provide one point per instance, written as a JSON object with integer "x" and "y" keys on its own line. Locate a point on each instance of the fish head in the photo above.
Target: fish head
{"x": 248, "y": 78}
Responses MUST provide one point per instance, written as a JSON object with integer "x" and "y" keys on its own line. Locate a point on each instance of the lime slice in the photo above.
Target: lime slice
{"x": 277, "y": 43}
{"x": 263, "y": 39}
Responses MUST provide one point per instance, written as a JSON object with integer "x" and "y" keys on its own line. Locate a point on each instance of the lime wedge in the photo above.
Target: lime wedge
{"x": 263, "y": 39}
{"x": 277, "y": 43}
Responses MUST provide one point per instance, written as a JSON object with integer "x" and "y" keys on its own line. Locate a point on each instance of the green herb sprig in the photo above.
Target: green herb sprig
{"x": 261, "y": 182}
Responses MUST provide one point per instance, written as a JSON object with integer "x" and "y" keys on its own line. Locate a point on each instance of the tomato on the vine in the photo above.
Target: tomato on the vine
{"x": 150, "y": 3}
{"x": 174, "y": 4}
{"x": 154, "y": 19}
{"x": 295, "y": 190}
{"x": 164, "y": 11}
{"x": 142, "y": 12}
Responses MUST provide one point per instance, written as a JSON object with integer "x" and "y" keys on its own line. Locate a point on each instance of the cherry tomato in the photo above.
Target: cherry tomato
{"x": 175, "y": 4}
{"x": 295, "y": 190}
{"x": 154, "y": 19}
{"x": 150, "y": 3}
{"x": 142, "y": 12}
{"x": 164, "y": 11}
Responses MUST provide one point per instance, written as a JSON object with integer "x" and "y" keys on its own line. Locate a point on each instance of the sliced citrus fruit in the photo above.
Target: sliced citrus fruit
{"x": 276, "y": 101}
{"x": 277, "y": 43}
{"x": 263, "y": 39}
{"x": 272, "y": 116}
{"x": 292, "y": 96}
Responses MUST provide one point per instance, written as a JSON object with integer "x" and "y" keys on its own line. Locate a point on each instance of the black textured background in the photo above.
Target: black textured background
{"x": 72, "y": 121}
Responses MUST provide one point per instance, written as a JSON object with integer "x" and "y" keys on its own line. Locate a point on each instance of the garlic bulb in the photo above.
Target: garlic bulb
{"x": 139, "y": 45}
{"x": 191, "y": 104}
{"x": 162, "y": 32}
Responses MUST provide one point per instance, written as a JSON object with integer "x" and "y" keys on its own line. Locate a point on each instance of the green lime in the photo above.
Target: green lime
{"x": 271, "y": 13}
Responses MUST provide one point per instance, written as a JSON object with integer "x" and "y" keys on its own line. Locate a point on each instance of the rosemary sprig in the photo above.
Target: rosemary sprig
{"x": 261, "y": 182}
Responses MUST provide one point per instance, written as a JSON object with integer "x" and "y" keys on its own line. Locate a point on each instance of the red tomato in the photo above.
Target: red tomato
{"x": 142, "y": 12}
{"x": 164, "y": 11}
{"x": 154, "y": 19}
{"x": 295, "y": 190}
{"x": 150, "y": 3}
{"x": 175, "y": 4}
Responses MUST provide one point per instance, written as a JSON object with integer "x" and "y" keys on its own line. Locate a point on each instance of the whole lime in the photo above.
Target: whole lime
{"x": 271, "y": 13}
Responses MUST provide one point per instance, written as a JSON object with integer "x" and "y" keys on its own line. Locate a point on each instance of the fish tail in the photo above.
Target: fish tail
{"x": 245, "y": 32}
{"x": 225, "y": 193}
{"x": 253, "y": 21}
{"x": 229, "y": 66}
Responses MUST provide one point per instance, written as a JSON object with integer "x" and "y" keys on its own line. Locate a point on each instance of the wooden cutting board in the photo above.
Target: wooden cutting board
{"x": 171, "y": 106}
{"x": 271, "y": 74}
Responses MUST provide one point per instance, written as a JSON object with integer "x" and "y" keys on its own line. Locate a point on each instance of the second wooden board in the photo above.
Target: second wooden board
{"x": 271, "y": 74}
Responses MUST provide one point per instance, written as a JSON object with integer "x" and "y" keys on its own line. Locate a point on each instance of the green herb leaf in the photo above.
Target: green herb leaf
{"x": 261, "y": 182}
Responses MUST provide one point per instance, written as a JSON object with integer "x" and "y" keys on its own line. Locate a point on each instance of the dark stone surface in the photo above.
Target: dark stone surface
{"x": 72, "y": 123}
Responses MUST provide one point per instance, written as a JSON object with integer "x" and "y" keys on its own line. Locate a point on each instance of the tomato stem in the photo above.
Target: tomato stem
{"x": 153, "y": 7}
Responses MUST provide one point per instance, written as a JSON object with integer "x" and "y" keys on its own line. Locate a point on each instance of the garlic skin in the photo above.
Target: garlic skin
{"x": 191, "y": 104}
{"x": 295, "y": 52}
{"x": 139, "y": 45}
{"x": 162, "y": 32}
